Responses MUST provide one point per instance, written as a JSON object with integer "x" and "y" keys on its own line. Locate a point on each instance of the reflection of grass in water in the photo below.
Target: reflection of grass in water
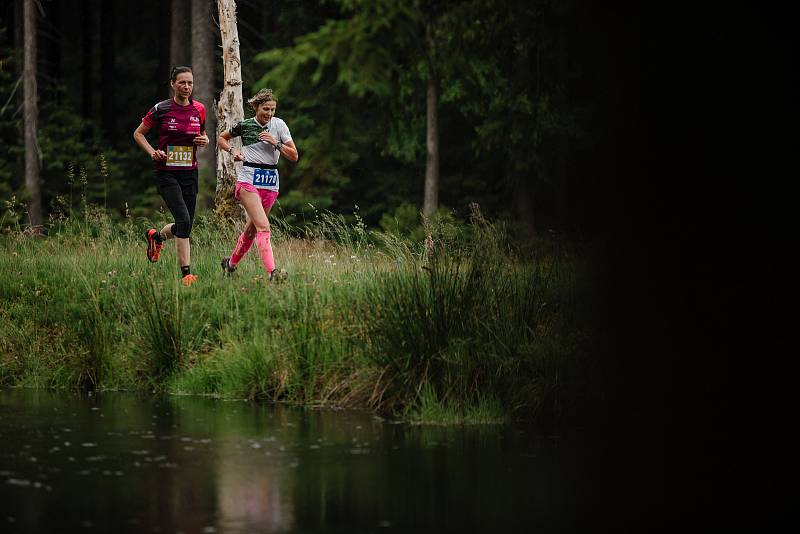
{"x": 460, "y": 330}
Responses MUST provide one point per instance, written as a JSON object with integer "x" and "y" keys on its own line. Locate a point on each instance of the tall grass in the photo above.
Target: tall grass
{"x": 163, "y": 327}
{"x": 458, "y": 327}
{"x": 465, "y": 324}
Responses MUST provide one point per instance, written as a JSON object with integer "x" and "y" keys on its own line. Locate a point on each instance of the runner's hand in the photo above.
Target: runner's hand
{"x": 237, "y": 156}
{"x": 201, "y": 140}
{"x": 268, "y": 138}
{"x": 158, "y": 155}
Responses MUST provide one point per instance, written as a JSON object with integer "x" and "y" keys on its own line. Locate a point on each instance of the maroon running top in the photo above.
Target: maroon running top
{"x": 177, "y": 127}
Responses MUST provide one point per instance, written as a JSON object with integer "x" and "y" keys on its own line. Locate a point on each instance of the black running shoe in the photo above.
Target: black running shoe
{"x": 278, "y": 275}
{"x": 227, "y": 270}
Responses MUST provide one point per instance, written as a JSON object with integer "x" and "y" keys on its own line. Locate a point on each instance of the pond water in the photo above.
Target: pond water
{"x": 139, "y": 463}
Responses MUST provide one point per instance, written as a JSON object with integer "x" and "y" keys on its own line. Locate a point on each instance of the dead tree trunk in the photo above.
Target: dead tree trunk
{"x": 32, "y": 159}
{"x": 230, "y": 108}
{"x": 203, "y": 69}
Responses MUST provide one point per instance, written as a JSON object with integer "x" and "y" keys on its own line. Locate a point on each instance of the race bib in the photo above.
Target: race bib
{"x": 265, "y": 177}
{"x": 179, "y": 156}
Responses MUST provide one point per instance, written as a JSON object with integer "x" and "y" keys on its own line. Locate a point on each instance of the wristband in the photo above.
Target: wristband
{"x": 278, "y": 146}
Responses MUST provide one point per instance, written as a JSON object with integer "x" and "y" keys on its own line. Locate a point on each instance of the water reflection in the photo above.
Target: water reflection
{"x": 139, "y": 463}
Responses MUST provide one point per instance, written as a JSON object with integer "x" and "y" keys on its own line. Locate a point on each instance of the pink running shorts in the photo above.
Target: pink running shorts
{"x": 267, "y": 196}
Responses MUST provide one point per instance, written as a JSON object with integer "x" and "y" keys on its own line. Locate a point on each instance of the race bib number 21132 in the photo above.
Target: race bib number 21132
{"x": 179, "y": 156}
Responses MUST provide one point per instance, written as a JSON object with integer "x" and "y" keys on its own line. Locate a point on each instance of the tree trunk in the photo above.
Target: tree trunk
{"x": 432, "y": 161}
{"x": 180, "y": 17}
{"x": 230, "y": 108}
{"x": 431, "y": 201}
{"x": 203, "y": 69}
{"x": 32, "y": 161}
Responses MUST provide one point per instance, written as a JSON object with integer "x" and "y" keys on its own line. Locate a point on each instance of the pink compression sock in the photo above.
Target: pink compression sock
{"x": 242, "y": 246}
{"x": 265, "y": 250}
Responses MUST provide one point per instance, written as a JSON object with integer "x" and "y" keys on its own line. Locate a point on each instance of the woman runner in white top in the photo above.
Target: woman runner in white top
{"x": 264, "y": 138}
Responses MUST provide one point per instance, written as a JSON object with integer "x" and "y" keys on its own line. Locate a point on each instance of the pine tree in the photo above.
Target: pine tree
{"x": 32, "y": 151}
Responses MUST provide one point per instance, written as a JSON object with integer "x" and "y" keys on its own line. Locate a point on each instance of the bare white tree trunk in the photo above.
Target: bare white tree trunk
{"x": 32, "y": 160}
{"x": 203, "y": 70}
{"x": 431, "y": 202}
{"x": 230, "y": 108}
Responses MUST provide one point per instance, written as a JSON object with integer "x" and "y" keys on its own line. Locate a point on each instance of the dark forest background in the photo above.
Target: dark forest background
{"x": 518, "y": 105}
{"x": 659, "y": 135}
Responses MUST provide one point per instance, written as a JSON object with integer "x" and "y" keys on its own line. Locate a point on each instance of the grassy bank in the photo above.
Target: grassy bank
{"x": 460, "y": 329}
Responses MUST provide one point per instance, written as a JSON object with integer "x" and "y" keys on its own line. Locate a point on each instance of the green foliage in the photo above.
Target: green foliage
{"x": 78, "y": 165}
{"x": 353, "y": 64}
{"x": 505, "y": 119}
{"x": 405, "y": 221}
{"x": 361, "y": 51}
{"x": 517, "y": 82}
{"x": 95, "y": 172}
{"x": 410, "y": 223}
{"x": 297, "y": 208}
{"x": 13, "y": 213}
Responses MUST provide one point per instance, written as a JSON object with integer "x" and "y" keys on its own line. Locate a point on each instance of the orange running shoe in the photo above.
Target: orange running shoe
{"x": 189, "y": 279}
{"x": 154, "y": 245}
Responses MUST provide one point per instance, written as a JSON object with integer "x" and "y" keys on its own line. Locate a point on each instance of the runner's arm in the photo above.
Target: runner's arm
{"x": 141, "y": 140}
{"x": 289, "y": 150}
{"x": 224, "y": 144}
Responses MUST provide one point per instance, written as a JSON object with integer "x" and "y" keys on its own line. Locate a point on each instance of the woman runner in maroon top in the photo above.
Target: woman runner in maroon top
{"x": 181, "y": 124}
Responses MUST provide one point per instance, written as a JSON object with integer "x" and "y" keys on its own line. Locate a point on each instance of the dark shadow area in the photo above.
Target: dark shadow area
{"x": 686, "y": 368}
